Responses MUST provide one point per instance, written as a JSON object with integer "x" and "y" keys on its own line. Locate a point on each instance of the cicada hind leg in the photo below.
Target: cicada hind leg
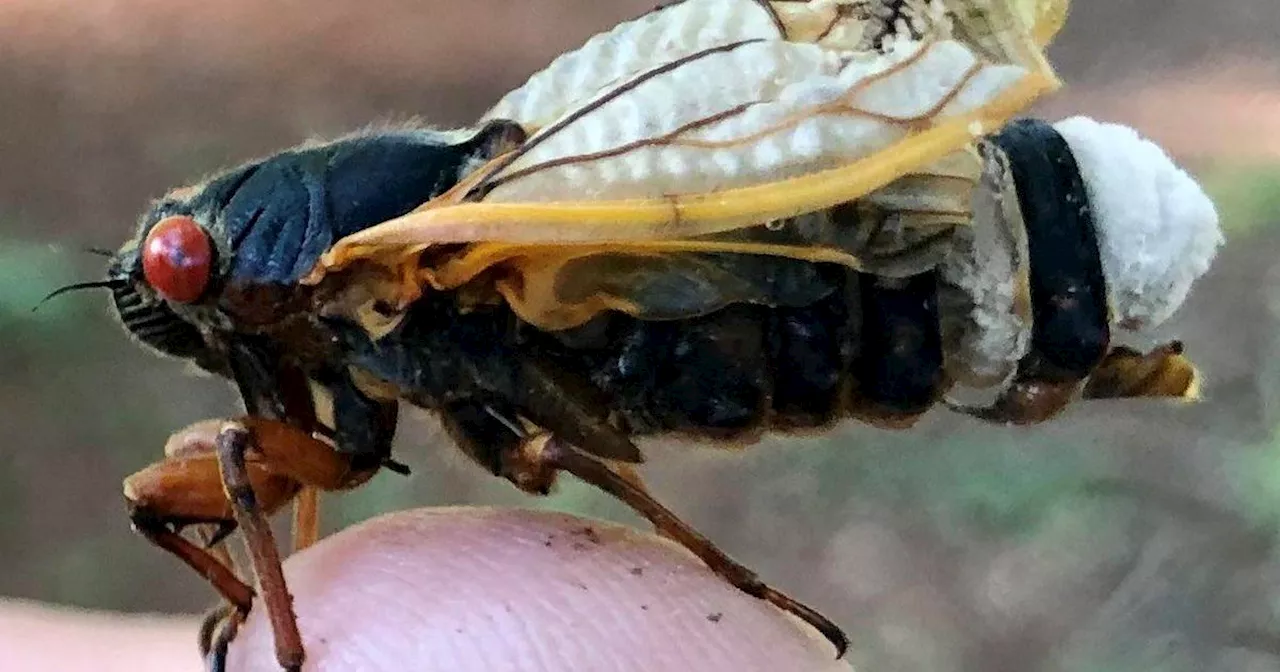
{"x": 531, "y": 461}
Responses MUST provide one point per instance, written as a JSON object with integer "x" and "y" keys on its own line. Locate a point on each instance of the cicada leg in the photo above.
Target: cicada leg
{"x": 236, "y": 474}
{"x": 225, "y": 615}
{"x": 533, "y": 467}
{"x": 163, "y": 534}
{"x": 232, "y": 443}
{"x": 306, "y": 518}
{"x": 218, "y": 628}
{"x": 221, "y": 625}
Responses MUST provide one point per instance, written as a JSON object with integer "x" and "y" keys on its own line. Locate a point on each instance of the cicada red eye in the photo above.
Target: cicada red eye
{"x": 177, "y": 259}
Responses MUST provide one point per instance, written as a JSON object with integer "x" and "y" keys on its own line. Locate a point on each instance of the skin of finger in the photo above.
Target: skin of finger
{"x": 505, "y": 590}
{"x": 36, "y": 637}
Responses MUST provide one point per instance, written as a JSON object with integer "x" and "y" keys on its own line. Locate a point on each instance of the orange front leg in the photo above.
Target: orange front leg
{"x": 229, "y": 474}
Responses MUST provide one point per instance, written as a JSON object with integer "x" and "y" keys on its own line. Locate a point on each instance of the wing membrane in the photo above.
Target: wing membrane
{"x": 690, "y": 129}
{"x": 1014, "y": 31}
{"x": 568, "y": 291}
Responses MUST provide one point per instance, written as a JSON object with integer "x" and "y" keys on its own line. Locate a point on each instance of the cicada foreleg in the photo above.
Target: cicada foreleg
{"x": 220, "y": 624}
{"x": 236, "y": 474}
{"x": 218, "y": 628}
{"x": 233, "y": 442}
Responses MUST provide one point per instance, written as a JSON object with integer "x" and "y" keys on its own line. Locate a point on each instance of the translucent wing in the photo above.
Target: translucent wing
{"x": 1003, "y": 28}
{"x": 1015, "y": 31}
{"x": 690, "y": 129}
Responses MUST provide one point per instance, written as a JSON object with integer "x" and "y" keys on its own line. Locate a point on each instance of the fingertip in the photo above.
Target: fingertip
{"x": 465, "y": 589}
{"x": 38, "y": 636}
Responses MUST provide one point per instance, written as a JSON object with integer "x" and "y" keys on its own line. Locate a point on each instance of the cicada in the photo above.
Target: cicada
{"x": 720, "y": 219}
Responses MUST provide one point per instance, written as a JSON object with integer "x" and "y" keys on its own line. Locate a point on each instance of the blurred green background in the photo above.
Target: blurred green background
{"x": 1125, "y": 536}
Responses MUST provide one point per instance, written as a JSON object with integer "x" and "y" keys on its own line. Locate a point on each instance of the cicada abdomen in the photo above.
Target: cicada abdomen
{"x": 1103, "y": 234}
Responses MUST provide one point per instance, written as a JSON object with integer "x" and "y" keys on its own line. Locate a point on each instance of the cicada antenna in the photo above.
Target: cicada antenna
{"x": 94, "y": 284}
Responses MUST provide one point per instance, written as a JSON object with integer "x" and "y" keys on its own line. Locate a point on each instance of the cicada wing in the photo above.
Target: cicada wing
{"x": 738, "y": 127}
{"x": 907, "y": 230}
{"x": 680, "y": 30}
{"x": 1044, "y": 17}
{"x": 1010, "y": 31}
{"x": 788, "y": 129}
{"x": 752, "y": 113}
{"x": 667, "y": 34}
{"x": 563, "y": 291}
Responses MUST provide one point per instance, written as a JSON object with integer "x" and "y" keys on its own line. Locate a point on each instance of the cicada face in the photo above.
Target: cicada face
{"x": 180, "y": 284}
{"x": 181, "y": 263}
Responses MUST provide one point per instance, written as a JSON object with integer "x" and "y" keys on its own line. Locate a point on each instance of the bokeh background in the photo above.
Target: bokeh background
{"x": 1125, "y": 536}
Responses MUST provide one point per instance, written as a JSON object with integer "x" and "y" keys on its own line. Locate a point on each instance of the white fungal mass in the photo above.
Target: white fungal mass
{"x": 1157, "y": 229}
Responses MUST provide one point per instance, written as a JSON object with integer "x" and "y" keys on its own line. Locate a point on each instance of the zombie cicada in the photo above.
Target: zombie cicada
{"x": 722, "y": 218}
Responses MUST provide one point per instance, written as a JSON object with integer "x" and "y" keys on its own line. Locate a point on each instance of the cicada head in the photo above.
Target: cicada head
{"x": 224, "y": 257}
{"x": 146, "y": 314}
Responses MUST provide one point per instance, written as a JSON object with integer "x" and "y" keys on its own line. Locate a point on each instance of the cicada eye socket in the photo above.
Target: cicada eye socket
{"x": 177, "y": 259}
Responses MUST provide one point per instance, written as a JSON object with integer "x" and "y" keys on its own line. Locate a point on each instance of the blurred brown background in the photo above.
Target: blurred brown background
{"x": 951, "y": 547}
